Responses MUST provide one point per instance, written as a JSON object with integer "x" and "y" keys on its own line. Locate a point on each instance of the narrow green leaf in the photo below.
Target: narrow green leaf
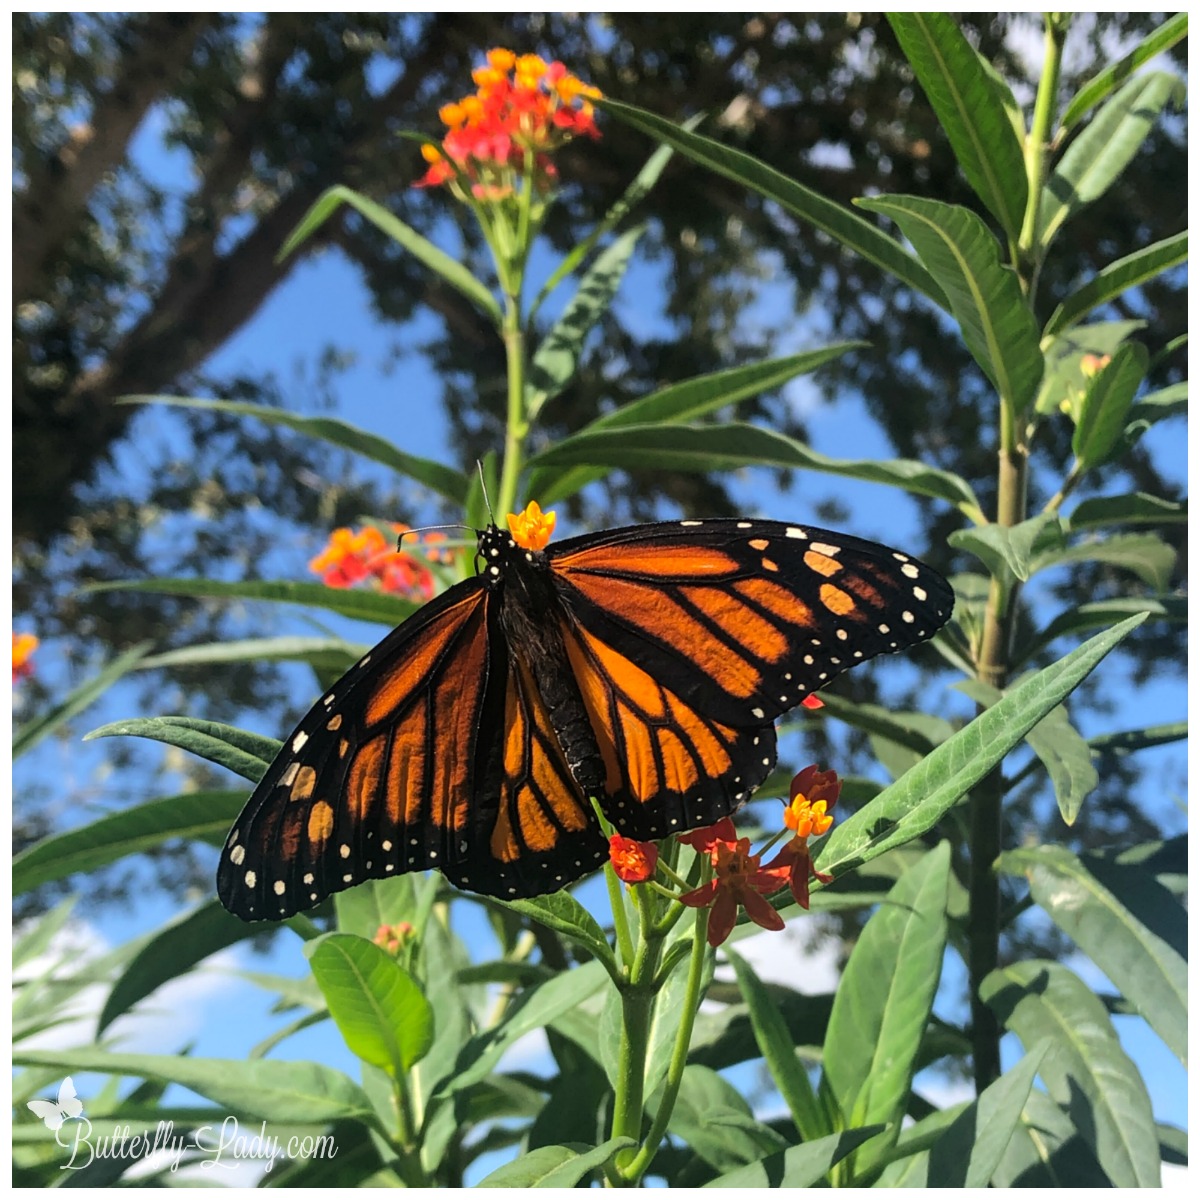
{"x": 799, "y": 1166}
{"x": 1090, "y": 1075}
{"x": 245, "y": 754}
{"x": 633, "y": 195}
{"x": 349, "y": 602}
{"x": 1011, "y": 550}
{"x": 1096, "y": 158}
{"x": 669, "y": 1007}
{"x": 564, "y": 914}
{"x": 1149, "y": 972}
{"x": 1060, "y": 747}
{"x": 555, "y": 1166}
{"x": 535, "y": 1008}
{"x": 1145, "y": 554}
{"x": 445, "y": 481}
{"x": 1158, "y": 406}
{"x": 984, "y": 296}
{"x": 31, "y": 941}
{"x": 970, "y": 111}
{"x": 713, "y": 1118}
{"x": 1127, "y": 741}
{"x": 884, "y": 1001}
{"x": 378, "y": 1008}
{"x": 554, "y": 362}
{"x": 1047, "y": 1151}
{"x": 1063, "y": 383}
{"x": 172, "y": 951}
{"x": 1173, "y": 1143}
{"x": 33, "y": 731}
{"x": 327, "y": 653}
{"x": 1106, "y": 404}
{"x": 840, "y": 223}
{"x": 724, "y": 447}
{"x": 771, "y": 1034}
{"x": 915, "y": 802}
{"x": 1101, "y": 613}
{"x": 680, "y": 402}
{"x": 1137, "y": 508}
{"x": 1171, "y": 32}
{"x": 268, "y": 1090}
{"x": 1106, "y": 285}
{"x": 450, "y": 269}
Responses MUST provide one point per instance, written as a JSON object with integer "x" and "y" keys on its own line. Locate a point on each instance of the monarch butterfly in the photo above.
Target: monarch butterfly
{"x": 643, "y": 666}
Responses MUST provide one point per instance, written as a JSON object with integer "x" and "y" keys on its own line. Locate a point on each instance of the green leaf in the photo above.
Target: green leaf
{"x": 305, "y": 1093}
{"x": 840, "y": 223}
{"x": 1127, "y": 741}
{"x": 712, "y": 1117}
{"x": 534, "y": 1009}
{"x": 1145, "y": 554}
{"x": 172, "y": 951}
{"x": 450, "y": 269}
{"x": 1137, "y": 508}
{"x": 564, "y": 914}
{"x": 1148, "y": 970}
{"x": 1106, "y": 404}
{"x": 349, "y": 602}
{"x": 680, "y": 402}
{"x": 445, "y": 481}
{"x": 201, "y": 816}
{"x": 799, "y": 1166}
{"x": 378, "y": 1008}
{"x": 323, "y": 653}
{"x": 1173, "y": 1144}
{"x": 1064, "y": 379}
{"x": 555, "y": 1166}
{"x": 725, "y": 447}
{"x": 970, "y": 111}
{"x": 1096, "y": 89}
{"x": 984, "y": 296}
{"x": 363, "y": 909}
{"x": 771, "y": 1034}
{"x": 915, "y": 802}
{"x": 1158, "y": 406}
{"x": 1096, "y": 158}
{"x": 32, "y": 732}
{"x": 669, "y": 1005}
{"x": 1011, "y": 550}
{"x": 633, "y": 195}
{"x": 245, "y": 754}
{"x": 1090, "y": 1075}
{"x": 884, "y": 1001}
{"x": 1060, "y": 746}
{"x": 1106, "y": 285}
{"x": 1102, "y": 613}
{"x": 554, "y": 362}
{"x": 31, "y": 942}
{"x": 1047, "y": 1151}
{"x": 969, "y": 1150}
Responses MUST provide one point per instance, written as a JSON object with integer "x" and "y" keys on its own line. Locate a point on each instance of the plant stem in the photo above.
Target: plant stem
{"x": 1037, "y": 142}
{"x": 516, "y": 426}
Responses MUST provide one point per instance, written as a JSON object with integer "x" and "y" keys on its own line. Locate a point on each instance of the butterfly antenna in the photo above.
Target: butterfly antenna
{"x": 428, "y": 528}
{"x": 483, "y": 484}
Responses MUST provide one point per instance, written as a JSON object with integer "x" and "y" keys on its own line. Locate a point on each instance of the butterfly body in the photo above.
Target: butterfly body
{"x": 642, "y": 666}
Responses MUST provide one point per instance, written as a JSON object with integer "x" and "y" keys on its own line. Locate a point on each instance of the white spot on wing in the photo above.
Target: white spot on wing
{"x": 826, "y": 548}
{"x": 794, "y": 532}
{"x": 237, "y": 855}
{"x": 298, "y": 744}
{"x": 909, "y": 570}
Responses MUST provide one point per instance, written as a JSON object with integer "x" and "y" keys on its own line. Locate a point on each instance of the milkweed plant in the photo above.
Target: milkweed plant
{"x": 649, "y": 1014}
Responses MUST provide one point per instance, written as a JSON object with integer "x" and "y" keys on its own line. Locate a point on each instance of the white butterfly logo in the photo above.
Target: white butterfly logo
{"x": 55, "y": 1113}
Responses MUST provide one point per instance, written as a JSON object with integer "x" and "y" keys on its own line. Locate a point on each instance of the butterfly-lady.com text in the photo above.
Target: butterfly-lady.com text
{"x": 210, "y": 1146}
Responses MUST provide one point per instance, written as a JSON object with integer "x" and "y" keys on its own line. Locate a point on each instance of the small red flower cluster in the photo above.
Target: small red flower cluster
{"x": 367, "y": 556}
{"x": 524, "y": 109}
{"x": 740, "y": 880}
{"x": 394, "y": 938}
{"x": 24, "y": 644}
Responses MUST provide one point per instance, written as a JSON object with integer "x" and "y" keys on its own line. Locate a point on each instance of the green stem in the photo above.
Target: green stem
{"x": 637, "y": 1166}
{"x": 616, "y": 899}
{"x": 516, "y": 426}
{"x": 1037, "y": 141}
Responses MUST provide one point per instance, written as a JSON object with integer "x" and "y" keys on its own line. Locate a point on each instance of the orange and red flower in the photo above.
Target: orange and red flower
{"x": 633, "y": 861}
{"x": 740, "y": 880}
{"x": 523, "y": 111}
{"x": 354, "y": 557}
{"x": 813, "y": 793}
{"x": 24, "y": 644}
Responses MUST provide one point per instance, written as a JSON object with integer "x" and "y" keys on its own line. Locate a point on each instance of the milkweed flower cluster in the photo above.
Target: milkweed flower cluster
{"x": 366, "y": 556}
{"x": 24, "y": 644}
{"x": 740, "y": 880}
{"x": 524, "y": 109}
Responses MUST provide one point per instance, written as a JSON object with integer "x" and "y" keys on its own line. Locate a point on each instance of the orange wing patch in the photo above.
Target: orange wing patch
{"x": 651, "y": 562}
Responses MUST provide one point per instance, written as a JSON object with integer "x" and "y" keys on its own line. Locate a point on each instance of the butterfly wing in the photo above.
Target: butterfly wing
{"x": 49, "y": 1112}
{"x": 689, "y": 638}
{"x": 68, "y": 1100}
{"x": 378, "y": 778}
